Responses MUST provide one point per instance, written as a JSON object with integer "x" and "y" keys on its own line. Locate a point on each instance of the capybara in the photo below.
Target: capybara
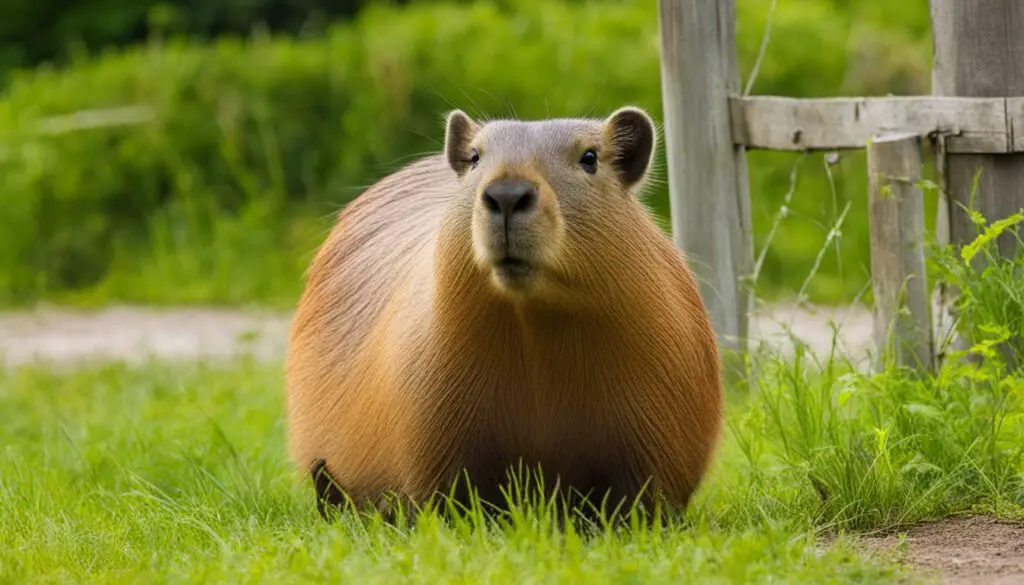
{"x": 508, "y": 301}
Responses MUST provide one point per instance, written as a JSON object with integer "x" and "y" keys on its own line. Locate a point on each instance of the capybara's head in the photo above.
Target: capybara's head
{"x": 546, "y": 195}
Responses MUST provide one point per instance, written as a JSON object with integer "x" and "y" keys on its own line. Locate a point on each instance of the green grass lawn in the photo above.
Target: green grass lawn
{"x": 178, "y": 473}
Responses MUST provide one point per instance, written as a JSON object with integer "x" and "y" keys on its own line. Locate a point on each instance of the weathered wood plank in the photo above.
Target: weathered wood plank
{"x": 781, "y": 123}
{"x": 902, "y": 311}
{"x": 707, "y": 173}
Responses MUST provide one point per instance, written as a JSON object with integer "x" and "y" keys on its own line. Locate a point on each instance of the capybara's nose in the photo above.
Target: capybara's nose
{"x": 508, "y": 197}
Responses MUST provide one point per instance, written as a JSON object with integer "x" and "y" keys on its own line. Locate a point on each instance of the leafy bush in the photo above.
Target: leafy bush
{"x": 255, "y": 143}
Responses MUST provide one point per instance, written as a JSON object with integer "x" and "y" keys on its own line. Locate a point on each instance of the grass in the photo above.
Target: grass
{"x": 178, "y": 473}
{"x": 170, "y": 473}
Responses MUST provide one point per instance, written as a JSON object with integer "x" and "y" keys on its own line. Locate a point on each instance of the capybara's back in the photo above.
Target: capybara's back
{"x": 509, "y": 301}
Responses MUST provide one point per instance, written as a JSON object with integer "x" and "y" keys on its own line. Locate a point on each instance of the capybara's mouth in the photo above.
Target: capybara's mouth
{"x": 511, "y": 269}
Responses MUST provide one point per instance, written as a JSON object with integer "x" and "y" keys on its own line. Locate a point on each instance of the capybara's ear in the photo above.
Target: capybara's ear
{"x": 459, "y": 132}
{"x": 630, "y": 133}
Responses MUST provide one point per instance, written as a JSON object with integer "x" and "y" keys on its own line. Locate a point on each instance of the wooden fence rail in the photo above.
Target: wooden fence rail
{"x": 975, "y": 116}
{"x": 972, "y": 125}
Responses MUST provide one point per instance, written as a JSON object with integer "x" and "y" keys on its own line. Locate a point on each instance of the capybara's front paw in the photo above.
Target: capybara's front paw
{"x": 328, "y": 492}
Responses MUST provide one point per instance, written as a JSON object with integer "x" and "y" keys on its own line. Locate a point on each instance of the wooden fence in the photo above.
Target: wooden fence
{"x": 974, "y": 120}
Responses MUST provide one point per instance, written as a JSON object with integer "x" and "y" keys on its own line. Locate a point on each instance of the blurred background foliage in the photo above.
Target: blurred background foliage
{"x": 270, "y": 115}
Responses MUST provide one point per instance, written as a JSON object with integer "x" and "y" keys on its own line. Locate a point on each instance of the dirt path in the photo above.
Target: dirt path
{"x": 961, "y": 551}
{"x": 132, "y": 334}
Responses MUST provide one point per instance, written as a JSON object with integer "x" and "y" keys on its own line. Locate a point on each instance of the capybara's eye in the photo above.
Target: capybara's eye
{"x": 474, "y": 157}
{"x": 589, "y": 161}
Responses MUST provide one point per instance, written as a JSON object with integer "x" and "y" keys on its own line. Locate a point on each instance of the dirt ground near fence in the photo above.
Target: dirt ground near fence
{"x": 959, "y": 551}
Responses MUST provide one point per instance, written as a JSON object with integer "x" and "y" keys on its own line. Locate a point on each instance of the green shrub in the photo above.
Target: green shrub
{"x": 255, "y": 143}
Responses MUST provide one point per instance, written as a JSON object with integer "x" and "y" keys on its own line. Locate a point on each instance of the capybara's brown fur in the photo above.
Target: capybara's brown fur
{"x": 509, "y": 301}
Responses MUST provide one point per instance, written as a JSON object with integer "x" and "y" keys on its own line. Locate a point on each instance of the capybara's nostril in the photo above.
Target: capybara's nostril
{"x": 491, "y": 203}
{"x": 510, "y": 197}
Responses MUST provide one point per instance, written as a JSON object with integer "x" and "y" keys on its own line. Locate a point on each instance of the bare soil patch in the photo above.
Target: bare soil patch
{"x": 60, "y": 335}
{"x": 972, "y": 550}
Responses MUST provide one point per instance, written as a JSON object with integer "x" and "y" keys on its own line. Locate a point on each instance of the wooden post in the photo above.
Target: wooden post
{"x": 902, "y": 312}
{"x": 707, "y": 173}
{"x": 979, "y": 52}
